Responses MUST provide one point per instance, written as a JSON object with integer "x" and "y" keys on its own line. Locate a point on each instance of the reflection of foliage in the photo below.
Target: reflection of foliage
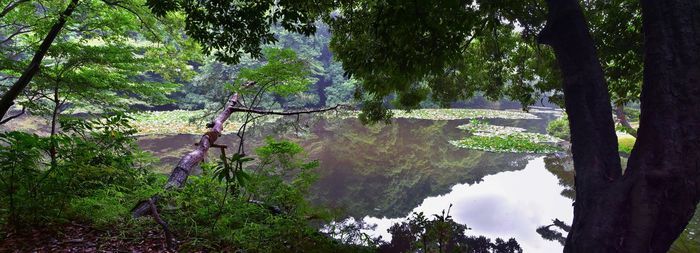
{"x": 390, "y": 168}
{"x": 393, "y": 167}
{"x": 441, "y": 234}
{"x": 350, "y": 231}
{"x": 687, "y": 242}
{"x": 562, "y": 167}
{"x": 552, "y": 235}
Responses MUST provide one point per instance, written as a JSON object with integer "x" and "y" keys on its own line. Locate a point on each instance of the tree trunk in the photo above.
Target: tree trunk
{"x": 622, "y": 119}
{"x": 179, "y": 175}
{"x": 54, "y": 121}
{"x": 664, "y": 167}
{"x": 9, "y": 97}
{"x": 593, "y": 139}
{"x": 646, "y": 209}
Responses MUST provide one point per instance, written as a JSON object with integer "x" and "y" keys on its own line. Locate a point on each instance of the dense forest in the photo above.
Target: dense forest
{"x": 349, "y": 126}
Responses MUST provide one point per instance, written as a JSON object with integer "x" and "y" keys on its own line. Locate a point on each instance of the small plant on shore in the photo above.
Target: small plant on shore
{"x": 559, "y": 128}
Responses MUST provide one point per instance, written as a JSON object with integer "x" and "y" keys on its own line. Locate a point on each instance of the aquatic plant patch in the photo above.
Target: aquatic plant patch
{"x": 446, "y": 114}
{"x": 481, "y": 128}
{"x": 185, "y": 122}
{"x": 487, "y": 137}
{"x": 456, "y": 114}
{"x": 508, "y": 143}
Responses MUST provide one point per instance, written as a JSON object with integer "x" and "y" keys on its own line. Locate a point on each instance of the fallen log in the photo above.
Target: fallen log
{"x": 184, "y": 167}
{"x": 179, "y": 174}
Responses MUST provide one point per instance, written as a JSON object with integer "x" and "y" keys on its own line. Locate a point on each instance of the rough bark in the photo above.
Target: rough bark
{"x": 664, "y": 167}
{"x": 184, "y": 167}
{"x": 30, "y": 71}
{"x": 648, "y": 207}
{"x": 593, "y": 139}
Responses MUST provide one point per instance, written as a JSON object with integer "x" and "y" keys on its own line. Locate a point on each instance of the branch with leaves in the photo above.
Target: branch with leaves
{"x": 283, "y": 75}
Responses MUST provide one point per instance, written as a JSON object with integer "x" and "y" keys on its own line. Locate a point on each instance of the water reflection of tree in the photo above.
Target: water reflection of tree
{"x": 387, "y": 170}
{"x": 562, "y": 167}
{"x": 441, "y": 234}
{"x": 553, "y": 235}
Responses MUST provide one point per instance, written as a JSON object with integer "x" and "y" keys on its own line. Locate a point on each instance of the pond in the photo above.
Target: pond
{"x": 505, "y": 205}
{"x": 383, "y": 173}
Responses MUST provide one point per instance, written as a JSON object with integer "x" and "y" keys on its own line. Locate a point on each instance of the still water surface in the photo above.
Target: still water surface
{"x": 383, "y": 173}
{"x": 507, "y": 204}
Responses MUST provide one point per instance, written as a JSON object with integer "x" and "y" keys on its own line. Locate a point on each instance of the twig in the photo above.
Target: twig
{"x": 263, "y": 112}
{"x": 168, "y": 236}
{"x": 13, "y": 116}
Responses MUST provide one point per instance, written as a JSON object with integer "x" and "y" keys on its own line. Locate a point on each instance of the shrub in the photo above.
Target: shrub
{"x": 265, "y": 212}
{"x": 96, "y": 160}
{"x": 632, "y": 114}
{"x": 559, "y": 128}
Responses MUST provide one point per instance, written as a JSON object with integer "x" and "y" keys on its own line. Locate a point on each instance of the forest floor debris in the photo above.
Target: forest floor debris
{"x": 75, "y": 237}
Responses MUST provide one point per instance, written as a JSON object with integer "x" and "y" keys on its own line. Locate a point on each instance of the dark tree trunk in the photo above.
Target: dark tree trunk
{"x": 321, "y": 86}
{"x": 593, "y": 139}
{"x": 326, "y": 80}
{"x": 664, "y": 167}
{"x": 646, "y": 209}
{"x": 9, "y": 97}
{"x": 54, "y": 121}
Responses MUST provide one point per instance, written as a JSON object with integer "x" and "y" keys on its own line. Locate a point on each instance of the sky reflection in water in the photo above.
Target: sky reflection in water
{"x": 505, "y": 205}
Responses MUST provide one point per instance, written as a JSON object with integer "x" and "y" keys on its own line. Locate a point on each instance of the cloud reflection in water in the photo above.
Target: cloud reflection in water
{"x": 505, "y": 205}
